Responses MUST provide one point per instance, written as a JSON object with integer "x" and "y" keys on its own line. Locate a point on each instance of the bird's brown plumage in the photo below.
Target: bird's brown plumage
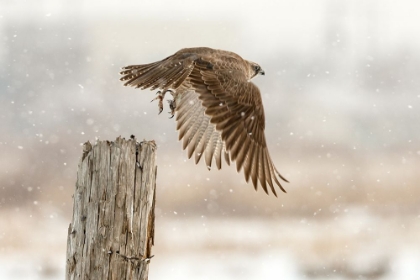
{"x": 219, "y": 112}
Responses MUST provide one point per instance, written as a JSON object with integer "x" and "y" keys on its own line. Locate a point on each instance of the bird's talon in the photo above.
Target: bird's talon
{"x": 159, "y": 97}
{"x": 172, "y": 107}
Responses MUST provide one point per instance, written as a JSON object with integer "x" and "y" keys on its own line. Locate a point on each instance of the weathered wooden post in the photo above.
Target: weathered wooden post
{"x": 112, "y": 229}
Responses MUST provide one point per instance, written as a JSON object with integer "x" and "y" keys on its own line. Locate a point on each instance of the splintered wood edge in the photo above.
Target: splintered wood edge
{"x": 87, "y": 146}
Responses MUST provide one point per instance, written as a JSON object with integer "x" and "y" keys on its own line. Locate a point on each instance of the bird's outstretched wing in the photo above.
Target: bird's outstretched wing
{"x": 235, "y": 107}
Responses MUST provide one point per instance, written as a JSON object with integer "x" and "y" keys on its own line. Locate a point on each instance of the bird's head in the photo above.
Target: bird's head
{"x": 254, "y": 69}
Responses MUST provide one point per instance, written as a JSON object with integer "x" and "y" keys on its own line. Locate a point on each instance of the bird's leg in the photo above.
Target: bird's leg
{"x": 160, "y": 96}
{"x": 172, "y": 107}
{"x": 172, "y": 103}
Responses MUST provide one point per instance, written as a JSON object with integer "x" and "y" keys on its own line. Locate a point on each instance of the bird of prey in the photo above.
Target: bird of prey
{"x": 219, "y": 111}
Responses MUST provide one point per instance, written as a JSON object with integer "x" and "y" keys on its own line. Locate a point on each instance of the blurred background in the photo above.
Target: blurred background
{"x": 342, "y": 103}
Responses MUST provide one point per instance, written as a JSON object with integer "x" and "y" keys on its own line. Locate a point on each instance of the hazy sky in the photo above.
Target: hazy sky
{"x": 291, "y": 24}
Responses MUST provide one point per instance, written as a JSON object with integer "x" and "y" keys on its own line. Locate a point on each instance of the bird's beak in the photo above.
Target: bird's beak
{"x": 261, "y": 72}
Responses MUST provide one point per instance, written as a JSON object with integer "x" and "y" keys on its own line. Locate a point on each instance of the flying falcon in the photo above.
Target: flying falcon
{"x": 219, "y": 111}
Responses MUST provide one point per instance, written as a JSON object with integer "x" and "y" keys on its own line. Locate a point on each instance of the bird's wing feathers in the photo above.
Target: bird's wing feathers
{"x": 235, "y": 108}
{"x": 168, "y": 73}
{"x": 198, "y": 134}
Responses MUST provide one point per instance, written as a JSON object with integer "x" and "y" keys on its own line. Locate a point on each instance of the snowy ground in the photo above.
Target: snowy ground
{"x": 353, "y": 245}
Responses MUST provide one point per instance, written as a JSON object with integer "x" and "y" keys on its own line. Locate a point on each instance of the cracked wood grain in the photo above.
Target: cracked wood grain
{"x": 112, "y": 229}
